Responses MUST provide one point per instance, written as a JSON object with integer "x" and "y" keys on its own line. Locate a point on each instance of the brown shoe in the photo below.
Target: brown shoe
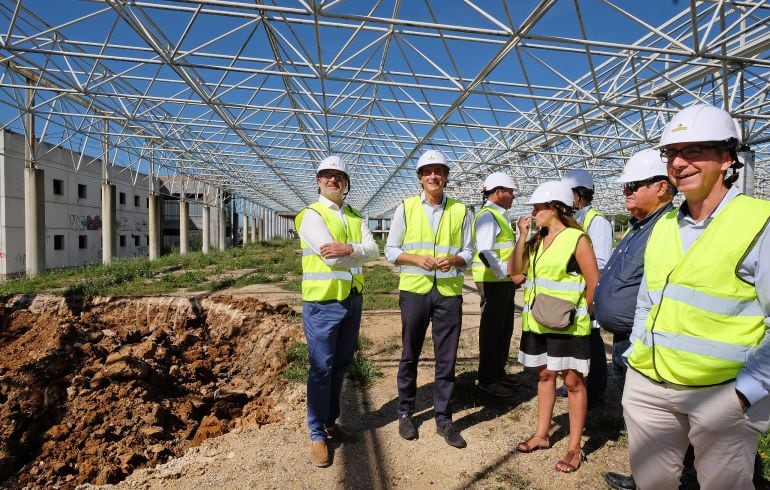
{"x": 339, "y": 433}
{"x": 319, "y": 454}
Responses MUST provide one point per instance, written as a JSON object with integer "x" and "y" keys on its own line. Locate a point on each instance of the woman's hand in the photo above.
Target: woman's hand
{"x": 523, "y": 224}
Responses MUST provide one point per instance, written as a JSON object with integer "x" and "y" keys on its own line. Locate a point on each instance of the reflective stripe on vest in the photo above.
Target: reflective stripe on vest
{"x": 705, "y": 321}
{"x": 419, "y": 239}
{"x": 503, "y": 247}
{"x": 552, "y": 278}
{"x": 319, "y": 281}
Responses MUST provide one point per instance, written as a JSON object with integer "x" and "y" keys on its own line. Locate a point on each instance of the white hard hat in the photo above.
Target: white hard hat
{"x": 555, "y": 190}
{"x": 700, "y": 122}
{"x": 431, "y": 157}
{"x": 642, "y": 166}
{"x": 333, "y": 163}
{"x": 578, "y": 177}
{"x": 498, "y": 179}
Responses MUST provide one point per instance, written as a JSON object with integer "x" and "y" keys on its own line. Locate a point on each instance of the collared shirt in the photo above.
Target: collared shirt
{"x": 315, "y": 233}
{"x": 618, "y": 287}
{"x": 754, "y": 377}
{"x": 487, "y": 230}
{"x": 600, "y": 233}
{"x": 434, "y": 213}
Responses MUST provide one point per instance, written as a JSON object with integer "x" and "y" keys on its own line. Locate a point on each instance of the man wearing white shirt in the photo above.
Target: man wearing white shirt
{"x": 494, "y": 241}
{"x": 335, "y": 242}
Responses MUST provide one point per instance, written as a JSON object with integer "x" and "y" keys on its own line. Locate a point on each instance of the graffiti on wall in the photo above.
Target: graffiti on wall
{"x": 123, "y": 225}
{"x": 2, "y": 254}
{"x": 80, "y": 223}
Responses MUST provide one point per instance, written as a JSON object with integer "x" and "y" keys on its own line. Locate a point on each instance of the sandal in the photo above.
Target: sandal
{"x": 567, "y": 463}
{"x": 527, "y": 447}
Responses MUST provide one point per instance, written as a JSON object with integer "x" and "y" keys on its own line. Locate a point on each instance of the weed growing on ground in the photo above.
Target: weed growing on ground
{"x": 763, "y": 451}
{"x": 364, "y": 343}
{"x": 363, "y": 371}
{"x": 298, "y": 361}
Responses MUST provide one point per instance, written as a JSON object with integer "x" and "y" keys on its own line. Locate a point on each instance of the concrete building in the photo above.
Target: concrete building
{"x": 72, "y": 199}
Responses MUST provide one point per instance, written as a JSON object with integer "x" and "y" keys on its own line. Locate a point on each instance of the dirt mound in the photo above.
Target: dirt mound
{"x": 89, "y": 394}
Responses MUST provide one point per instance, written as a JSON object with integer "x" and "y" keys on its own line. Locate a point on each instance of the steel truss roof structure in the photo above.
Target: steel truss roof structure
{"x": 249, "y": 96}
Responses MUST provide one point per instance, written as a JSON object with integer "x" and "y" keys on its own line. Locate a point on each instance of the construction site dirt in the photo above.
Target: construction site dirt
{"x": 90, "y": 392}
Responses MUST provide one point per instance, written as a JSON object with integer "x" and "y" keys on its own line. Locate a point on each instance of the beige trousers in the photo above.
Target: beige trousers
{"x": 662, "y": 419}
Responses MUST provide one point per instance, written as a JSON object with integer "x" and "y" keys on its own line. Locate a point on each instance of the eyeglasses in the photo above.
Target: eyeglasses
{"x": 632, "y": 187}
{"x": 689, "y": 152}
{"x": 332, "y": 175}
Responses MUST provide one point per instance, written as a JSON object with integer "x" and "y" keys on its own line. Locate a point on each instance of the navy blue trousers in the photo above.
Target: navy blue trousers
{"x": 445, "y": 315}
{"x": 331, "y": 330}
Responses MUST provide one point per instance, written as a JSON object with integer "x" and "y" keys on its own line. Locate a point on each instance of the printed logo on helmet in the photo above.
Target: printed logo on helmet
{"x": 679, "y": 127}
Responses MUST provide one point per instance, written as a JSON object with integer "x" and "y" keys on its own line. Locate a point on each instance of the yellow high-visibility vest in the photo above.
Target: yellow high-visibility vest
{"x": 705, "y": 320}
{"x": 589, "y": 217}
{"x": 503, "y": 247}
{"x": 419, "y": 239}
{"x": 553, "y": 279}
{"x": 319, "y": 281}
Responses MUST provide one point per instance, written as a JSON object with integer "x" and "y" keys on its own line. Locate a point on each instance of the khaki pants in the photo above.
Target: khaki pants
{"x": 662, "y": 419}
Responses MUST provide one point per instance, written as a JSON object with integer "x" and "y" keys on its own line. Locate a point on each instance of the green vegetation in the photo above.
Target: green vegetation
{"x": 380, "y": 288}
{"x": 363, "y": 371}
{"x": 264, "y": 262}
{"x": 764, "y": 455}
{"x": 297, "y": 358}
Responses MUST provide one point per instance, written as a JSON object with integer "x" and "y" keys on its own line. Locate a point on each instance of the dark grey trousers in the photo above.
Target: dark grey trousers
{"x": 495, "y": 329}
{"x": 445, "y": 315}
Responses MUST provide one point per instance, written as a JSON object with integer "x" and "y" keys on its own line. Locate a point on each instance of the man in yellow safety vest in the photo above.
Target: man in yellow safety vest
{"x": 335, "y": 244}
{"x": 700, "y": 355}
{"x": 430, "y": 238}
{"x": 494, "y": 241}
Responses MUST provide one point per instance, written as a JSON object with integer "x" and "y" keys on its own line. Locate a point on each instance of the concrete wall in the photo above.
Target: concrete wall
{"x": 67, "y": 215}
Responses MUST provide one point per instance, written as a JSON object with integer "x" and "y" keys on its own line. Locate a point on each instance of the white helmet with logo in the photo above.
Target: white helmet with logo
{"x": 431, "y": 157}
{"x": 333, "y": 163}
{"x": 578, "y": 177}
{"x": 700, "y": 122}
{"x": 498, "y": 179}
{"x": 643, "y": 165}
{"x": 555, "y": 190}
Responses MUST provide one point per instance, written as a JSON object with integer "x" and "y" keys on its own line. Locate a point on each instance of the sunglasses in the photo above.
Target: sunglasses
{"x": 689, "y": 152}
{"x": 634, "y": 186}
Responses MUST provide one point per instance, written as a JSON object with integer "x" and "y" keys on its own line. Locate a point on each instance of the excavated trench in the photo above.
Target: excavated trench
{"x": 92, "y": 391}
